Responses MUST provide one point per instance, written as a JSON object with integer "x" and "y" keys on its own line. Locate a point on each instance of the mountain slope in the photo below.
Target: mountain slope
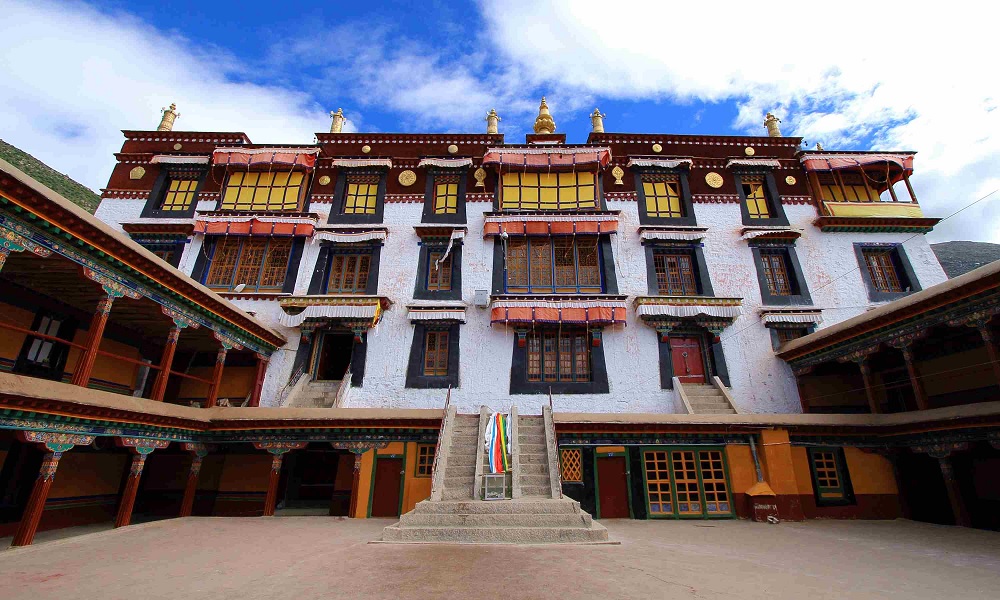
{"x": 957, "y": 258}
{"x": 46, "y": 175}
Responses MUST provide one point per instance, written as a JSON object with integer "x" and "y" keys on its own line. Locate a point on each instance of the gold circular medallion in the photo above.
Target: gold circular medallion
{"x": 714, "y": 179}
{"x": 136, "y": 173}
{"x": 407, "y": 178}
{"x": 452, "y": 149}
{"x": 178, "y": 146}
{"x": 790, "y": 180}
{"x": 324, "y": 180}
{"x": 657, "y": 148}
{"x": 749, "y": 151}
{"x": 480, "y": 175}
{"x": 366, "y": 149}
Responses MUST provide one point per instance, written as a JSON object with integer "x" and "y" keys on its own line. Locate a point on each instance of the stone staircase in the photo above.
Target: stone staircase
{"x": 453, "y": 515}
{"x": 315, "y": 394}
{"x": 706, "y": 399}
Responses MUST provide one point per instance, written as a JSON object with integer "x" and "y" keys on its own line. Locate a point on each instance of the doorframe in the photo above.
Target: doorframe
{"x": 703, "y": 341}
{"x": 597, "y": 480}
{"x": 402, "y": 480}
{"x": 701, "y": 484}
{"x": 318, "y": 348}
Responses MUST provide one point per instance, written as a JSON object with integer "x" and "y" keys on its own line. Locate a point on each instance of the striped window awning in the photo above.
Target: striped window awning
{"x": 676, "y": 235}
{"x": 687, "y": 307}
{"x": 753, "y": 162}
{"x": 251, "y": 157}
{"x": 834, "y": 162}
{"x": 436, "y": 313}
{"x": 254, "y": 226}
{"x": 357, "y": 309}
{"x": 551, "y": 224}
{"x": 347, "y": 237}
{"x": 771, "y": 316}
{"x": 445, "y": 163}
{"x": 541, "y": 157}
{"x": 360, "y": 163}
{"x": 660, "y": 163}
{"x": 593, "y": 312}
{"x": 173, "y": 159}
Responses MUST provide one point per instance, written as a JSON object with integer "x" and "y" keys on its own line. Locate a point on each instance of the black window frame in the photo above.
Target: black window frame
{"x": 337, "y": 215}
{"x": 519, "y": 383}
{"x": 774, "y": 327}
{"x": 420, "y": 291}
{"x": 687, "y": 205}
{"x": 175, "y": 246}
{"x": 771, "y": 195}
{"x": 712, "y": 354}
{"x": 161, "y": 186}
{"x": 66, "y": 331}
{"x": 203, "y": 264}
{"x": 842, "y": 471}
{"x": 700, "y": 267}
{"x": 904, "y": 271}
{"x": 801, "y": 296}
{"x": 601, "y": 204}
{"x": 415, "y": 377}
{"x": 324, "y": 260}
{"x": 429, "y": 216}
{"x": 576, "y": 261}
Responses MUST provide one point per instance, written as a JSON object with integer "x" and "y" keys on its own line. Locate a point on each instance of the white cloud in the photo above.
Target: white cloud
{"x": 74, "y": 77}
{"x": 907, "y": 76}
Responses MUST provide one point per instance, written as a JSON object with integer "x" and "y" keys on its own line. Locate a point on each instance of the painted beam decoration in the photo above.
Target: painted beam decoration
{"x": 56, "y": 442}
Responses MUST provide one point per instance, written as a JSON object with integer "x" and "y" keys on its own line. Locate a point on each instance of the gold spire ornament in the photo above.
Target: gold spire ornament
{"x": 544, "y": 122}
{"x": 492, "y": 120}
{"x": 771, "y": 122}
{"x": 337, "y": 124}
{"x": 597, "y": 121}
{"x": 169, "y": 116}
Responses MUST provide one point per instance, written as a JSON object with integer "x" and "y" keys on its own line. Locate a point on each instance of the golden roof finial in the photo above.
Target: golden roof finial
{"x": 492, "y": 119}
{"x": 169, "y": 116}
{"x": 771, "y": 122}
{"x": 819, "y": 147}
{"x": 337, "y": 124}
{"x": 544, "y": 122}
{"x": 597, "y": 121}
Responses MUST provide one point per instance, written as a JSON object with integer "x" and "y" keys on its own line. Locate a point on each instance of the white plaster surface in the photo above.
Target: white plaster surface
{"x": 760, "y": 382}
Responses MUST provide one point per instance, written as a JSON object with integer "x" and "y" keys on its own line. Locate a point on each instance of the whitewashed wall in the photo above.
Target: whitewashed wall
{"x": 760, "y": 382}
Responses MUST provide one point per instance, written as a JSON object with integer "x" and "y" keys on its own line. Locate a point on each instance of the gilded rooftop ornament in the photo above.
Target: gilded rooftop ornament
{"x": 597, "y": 121}
{"x": 492, "y": 120}
{"x": 544, "y": 122}
{"x": 337, "y": 124}
{"x": 771, "y": 122}
{"x": 169, "y": 116}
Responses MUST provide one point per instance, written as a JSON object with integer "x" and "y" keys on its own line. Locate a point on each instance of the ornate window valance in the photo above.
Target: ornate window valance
{"x": 250, "y": 157}
{"x": 300, "y": 226}
{"x": 834, "y": 162}
{"x": 677, "y": 234}
{"x": 753, "y": 162}
{"x": 445, "y": 163}
{"x": 661, "y": 163}
{"x": 536, "y": 157}
{"x": 777, "y": 316}
{"x": 684, "y": 307}
{"x": 354, "y": 163}
{"x": 348, "y": 236}
{"x": 593, "y": 311}
{"x": 171, "y": 159}
{"x": 366, "y": 310}
{"x": 593, "y": 223}
{"x": 436, "y": 312}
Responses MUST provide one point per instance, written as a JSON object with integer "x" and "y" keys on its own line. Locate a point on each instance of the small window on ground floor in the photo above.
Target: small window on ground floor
{"x": 686, "y": 483}
{"x": 830, "y": 479}
{"x": 425, "y": 460}
{"x": 571, "y": 462}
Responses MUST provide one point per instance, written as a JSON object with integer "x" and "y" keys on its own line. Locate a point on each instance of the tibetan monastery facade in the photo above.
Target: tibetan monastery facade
{"x": 632, "y": 273}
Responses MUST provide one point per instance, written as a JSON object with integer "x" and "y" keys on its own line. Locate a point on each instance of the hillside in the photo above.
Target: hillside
{"x": 961, "y": 257}
{"x": 46, "y": 175}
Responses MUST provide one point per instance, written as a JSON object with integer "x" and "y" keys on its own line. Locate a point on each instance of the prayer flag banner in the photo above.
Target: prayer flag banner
{"x": 497, "y": 443}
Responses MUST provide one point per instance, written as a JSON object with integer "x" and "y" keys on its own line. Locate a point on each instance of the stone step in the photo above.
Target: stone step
{"x": 531, "y": 506}
{"x": 535, "y": 448}
{"x": 536, "y": 491}
{"x": 413, "y": 519}
{"x": 715, "y": 411}
{"x": 709, "y": 404}
{"x": 497, "y": 535}
{"x": 534, "y": 480}
{"x": 457, "y": 493}
{"x": 461, "y": 451}
{"x": 531, "y": 419}
{"x": 459, "y": 482}
{"x": 534, "y": 469}
{"x": 462, "y": 460}
{"x": 527, "y": 458}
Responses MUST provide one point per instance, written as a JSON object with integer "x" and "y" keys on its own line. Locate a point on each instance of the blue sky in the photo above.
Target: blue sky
{"x": 861, "y": 77}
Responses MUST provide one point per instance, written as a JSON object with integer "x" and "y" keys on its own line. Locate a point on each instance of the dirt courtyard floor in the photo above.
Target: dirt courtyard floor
{"x": 321, "y": 557}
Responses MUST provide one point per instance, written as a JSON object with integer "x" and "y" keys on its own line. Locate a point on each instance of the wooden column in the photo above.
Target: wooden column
{"x": 124, "y": 516}
{"x": 55, "y": 444}
{"x": 352, "y": 512}
{"x": 81, "y": 375}
{"x": 166, "y": 363}
{"x": 954, "y": 492}
{"x": 258, "y": 383}
{"x": 213, "y": 388}
{"x": 866, "y": 375}
{"x": 198, "y": 452}
{"x": 915, "y": 382}
{"x": 803, "y": 400}
{"x": 991, "y": 349}
{"x": 272, "y": 484}
{"x": 36, "y": 503}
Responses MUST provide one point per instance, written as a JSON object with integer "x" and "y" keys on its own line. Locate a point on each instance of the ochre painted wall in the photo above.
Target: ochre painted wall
{"x": 365, "y": 483}
{"x": 237, "y": 382}
{"x": 11, "y": 341}
{"x": 872, "y": 479}
{"x": 85, "y": 489}
{"x": 415, "y": 488}
{"x": 742, "y": 475}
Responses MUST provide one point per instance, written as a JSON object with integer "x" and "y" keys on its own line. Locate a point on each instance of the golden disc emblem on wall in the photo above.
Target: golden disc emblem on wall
{"x": 790, "y": 180}
{"x": 749, "y": 151}
{"x": 714, "y": 179}
{"x": 657, "y": 148}
{"x": 324, "y": 180}
{"x": 136, "y": 173}
{"x": 407, "y": 178}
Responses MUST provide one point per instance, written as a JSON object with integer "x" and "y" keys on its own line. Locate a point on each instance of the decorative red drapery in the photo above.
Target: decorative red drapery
{"x": 547, "y": 157}
{"x": 527, "y": 314}
{"x": 834, "y": 162}
{"x": 250, "y": 157}
{"x": 254, "y": 227}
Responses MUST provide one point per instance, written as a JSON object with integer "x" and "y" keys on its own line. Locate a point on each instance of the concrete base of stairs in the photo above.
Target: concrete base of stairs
{"x": 524, "y": 521}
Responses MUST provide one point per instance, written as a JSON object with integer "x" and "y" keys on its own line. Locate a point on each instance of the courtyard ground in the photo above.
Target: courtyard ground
{"x": 323, "y": 557}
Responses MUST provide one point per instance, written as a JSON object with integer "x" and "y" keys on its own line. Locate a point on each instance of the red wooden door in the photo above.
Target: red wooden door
{"x": 388, "y": 478}
{"x": 686, "y": 355}
{"x": 613, "y": 487}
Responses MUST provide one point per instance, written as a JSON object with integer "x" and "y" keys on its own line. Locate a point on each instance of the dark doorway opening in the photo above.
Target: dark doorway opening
{"x": 17, "y": 479}
{"x": 923, "y": 488}
{"x": 334, "y": 356}
{"x": 317, "y": 477}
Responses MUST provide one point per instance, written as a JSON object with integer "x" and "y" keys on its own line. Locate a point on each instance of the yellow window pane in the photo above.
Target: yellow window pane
{"x": 567, "y": 179}
{"x": 587, "y": 195}
{"x": 549, "y": 197}
{"x": 280, "y": 179}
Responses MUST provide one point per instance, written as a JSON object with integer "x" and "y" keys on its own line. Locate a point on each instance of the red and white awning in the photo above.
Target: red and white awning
{"x": 662, "y": 163}
{"x": 594, "y": 312}
{"x": 251, "y": 157}
{"x": 543, "y": 224}
{"x": 536, "y": 157}
{"x": 445, "y": 163}
{"x": 348, "y": 237}
{"x": 358, "y": 163}
{"x": 834, "y": 162}
{"x": 753, "y": 162}
{"x": 262, "y": 226}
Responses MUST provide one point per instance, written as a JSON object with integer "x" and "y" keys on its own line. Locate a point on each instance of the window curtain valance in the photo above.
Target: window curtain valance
{"x": 547, "y": 157}
{"x": 251, "y": 157}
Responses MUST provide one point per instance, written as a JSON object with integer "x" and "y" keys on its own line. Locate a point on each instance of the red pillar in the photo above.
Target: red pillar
{"x": 354, "y": 486}
{"x": 81, "y": 375}
{"x": 213, "y": 388}
{"x": 258, "y": 383}
{"x": 954, "y": 492}
{"x": 991, "y": 349}
{"x": 166, "y": 363}
{"x": 918, "y": 386}
{"x": 272, "y": 484}
{"x": 187, "y": 504}
{"x": 866, "y": 375}
{"x": 36, "y": 503}
{"x": 124, "y": 516}
{"x": 803, "y": 400}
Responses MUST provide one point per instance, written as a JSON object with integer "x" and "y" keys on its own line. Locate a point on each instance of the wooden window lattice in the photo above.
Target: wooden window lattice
{"x": 659, "y": 492}
{"x": 713, "y": 481}
{"x": 349, "y": 273}
{"x": 776, "y": 273}
{"x": 425, "y": 460}
{"x": 571, "y": 461}
{"x": 361, "y": 195}
{"x": 686, "y": 482}
{"x": 180, "y": 194}
{"x": 438, "y": 273}
{"x": 882, "y": 270}
{"x": 554, "y": 265}
{"x": 436, "y": 354}
{"x": 674, "y": 274}
{"x": 258, "y": 263}
{"x": 787, "y": 334}
{"x": 558, "y": 356}
{"x": 663, "y": 198}
{"x": 827, "y": 473}
{"x": 254, "y": 190}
